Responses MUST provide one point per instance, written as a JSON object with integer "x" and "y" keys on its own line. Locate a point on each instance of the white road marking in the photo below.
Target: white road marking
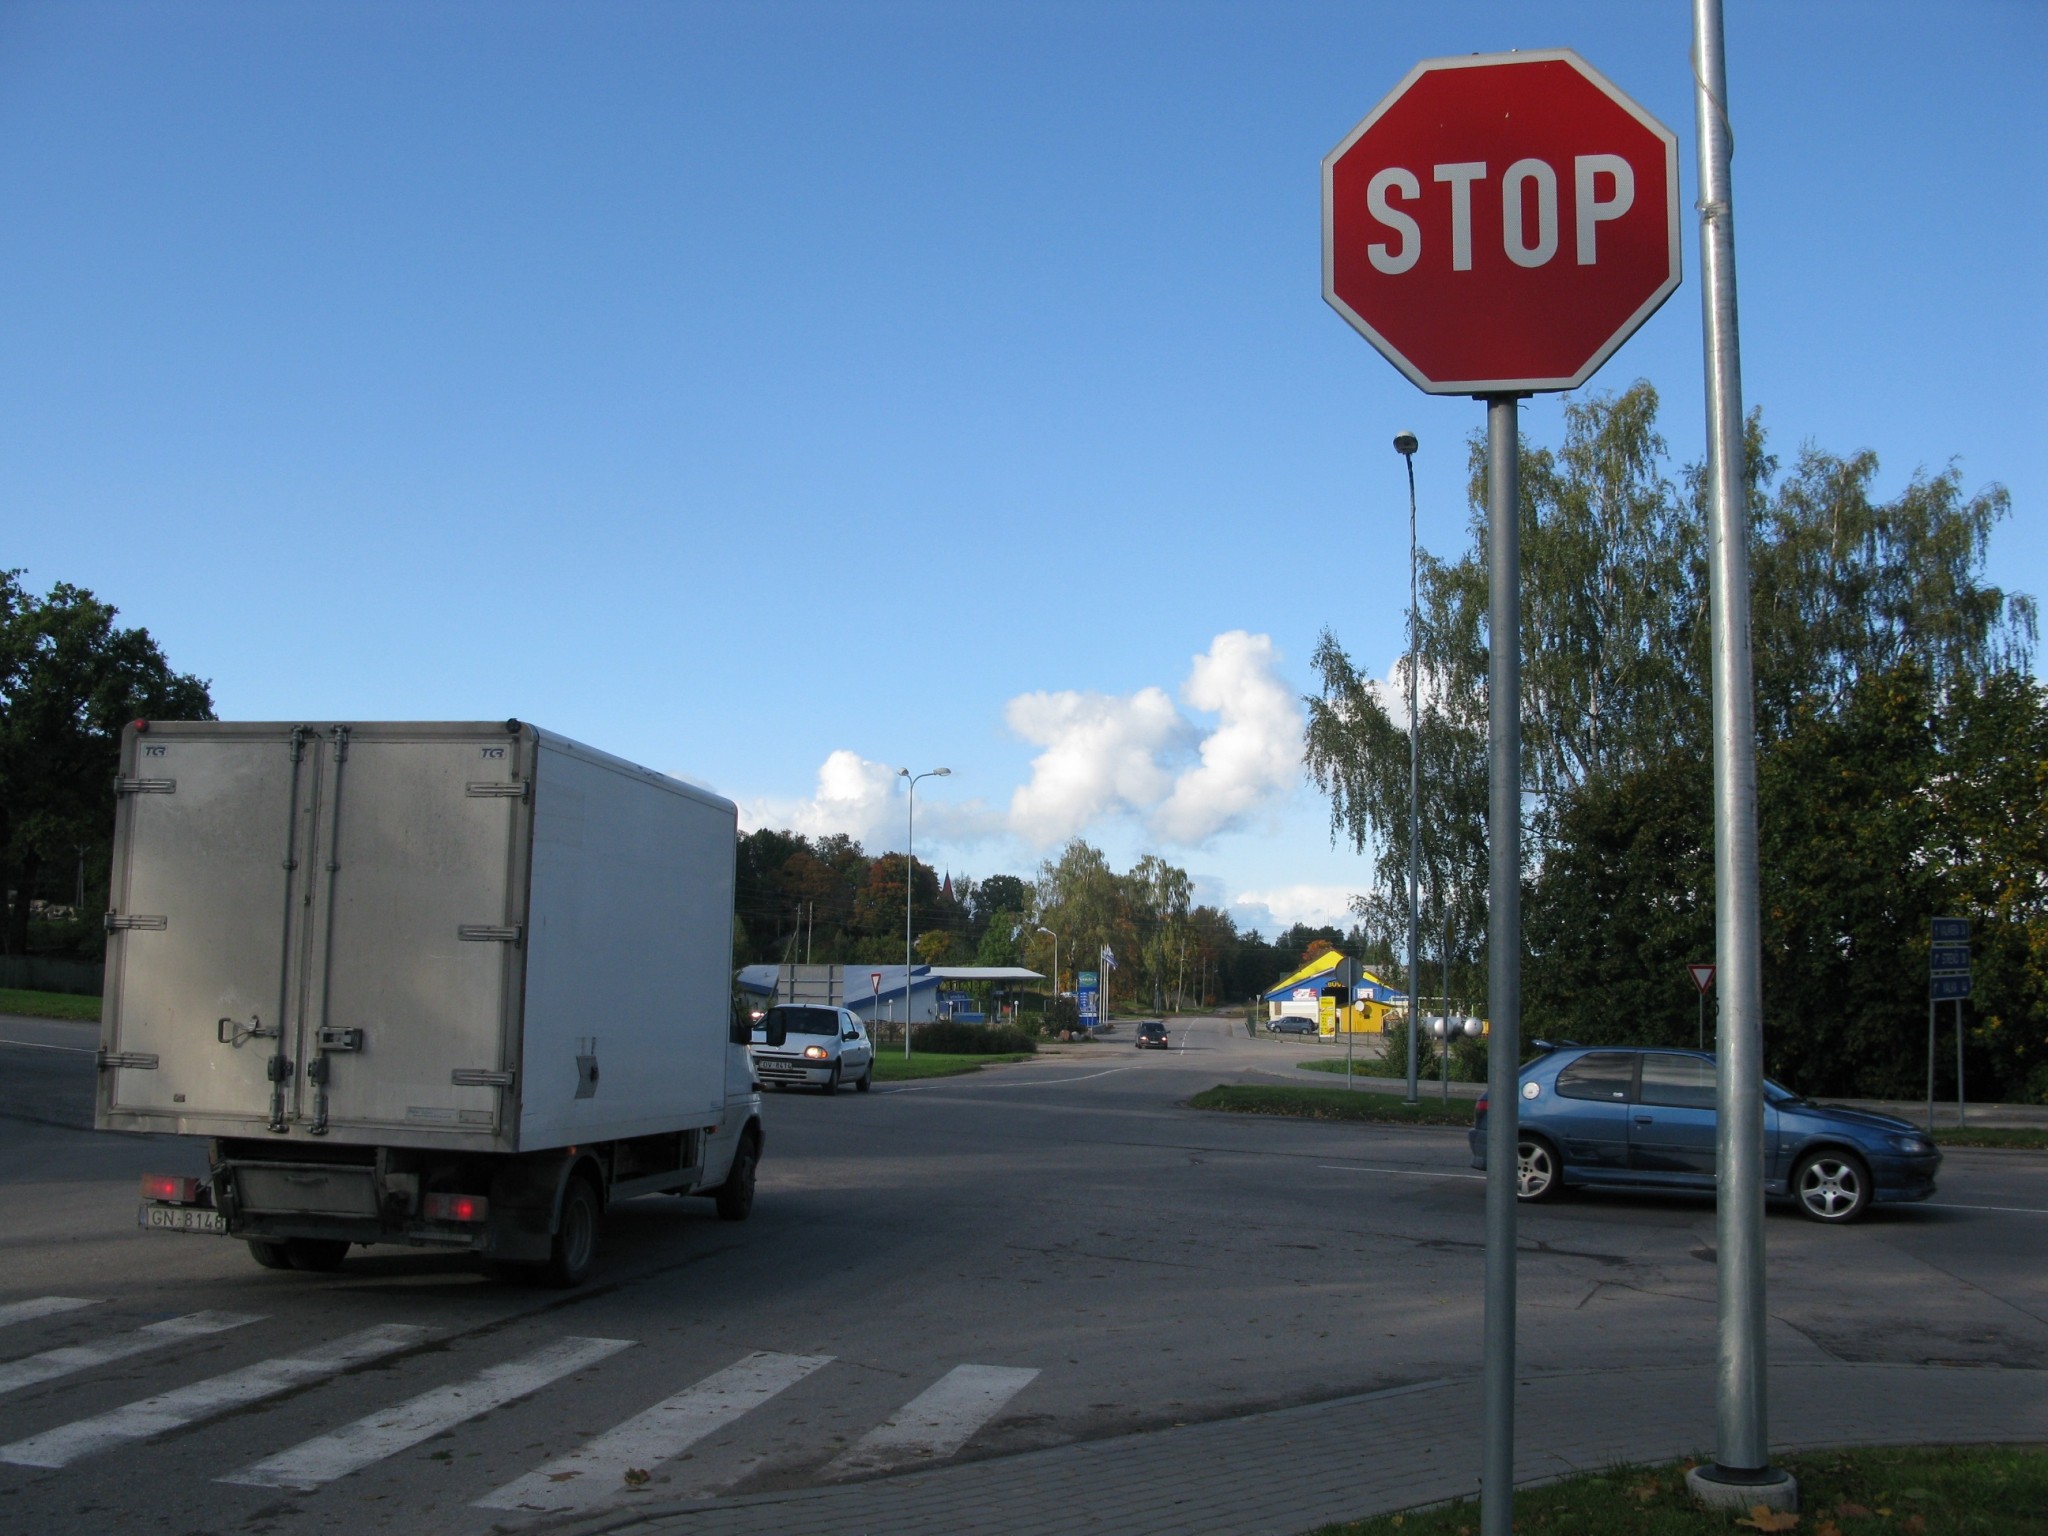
{"x": 321, "y": 1460}
{"x": 37, "y": 1045}
{"x": 40, "y": 1306}
{"x": 2008, "y": 1210}
{"x": 1036, "y": 1083}
{"x": 595, "y": 1473}
{"x": 203, "y": 1399}
{"x": 52, "y": 1363}
{"x": 935, "y": 1423}
{"x": 1409, "y": 1173}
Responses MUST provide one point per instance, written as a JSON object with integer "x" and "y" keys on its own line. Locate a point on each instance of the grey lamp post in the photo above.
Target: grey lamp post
{"x": 910, "y": 885}
{"x": 1405, "y": 444}
{"x": 1055, "y": 962}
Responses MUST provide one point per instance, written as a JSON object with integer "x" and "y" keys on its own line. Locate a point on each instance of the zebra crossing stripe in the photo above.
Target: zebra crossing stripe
{"x": 203, "y": 1399}
{"x": 935, "y": 1423}
{"x": 40, "y": 1306}
{"x": 595, "y": 1473}
{"x": 52, "y": 1363}
{"x": 321, "y": 1460}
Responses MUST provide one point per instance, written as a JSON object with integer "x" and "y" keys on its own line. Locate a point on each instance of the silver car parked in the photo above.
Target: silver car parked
{"x": 805, "y": 1045}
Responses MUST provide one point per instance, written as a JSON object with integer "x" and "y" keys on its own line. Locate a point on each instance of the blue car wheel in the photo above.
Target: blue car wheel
{"x": 1831, "y": 1186}
{"x": 1537, "y": 1172}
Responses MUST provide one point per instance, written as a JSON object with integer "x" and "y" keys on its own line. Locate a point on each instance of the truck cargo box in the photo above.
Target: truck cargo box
{"x": 479, "y": 937}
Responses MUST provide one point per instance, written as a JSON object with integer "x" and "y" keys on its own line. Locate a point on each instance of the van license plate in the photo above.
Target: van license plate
{"x": 183, "y": 1218}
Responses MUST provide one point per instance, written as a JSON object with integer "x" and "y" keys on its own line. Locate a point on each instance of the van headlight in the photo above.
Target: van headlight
{"x": 1913, "y": 1146}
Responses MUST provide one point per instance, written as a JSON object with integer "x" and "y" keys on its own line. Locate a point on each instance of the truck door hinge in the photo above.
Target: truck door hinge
{"x": 127, "y": 786}
{"x": 278, "y": 1069}
{"x": 126, "y": 922}
{"x": 487, "y": 933}
{"x": 499, "y": 789}
{"x": 134, "y": 1061}
{"x": 478, "y": 1077}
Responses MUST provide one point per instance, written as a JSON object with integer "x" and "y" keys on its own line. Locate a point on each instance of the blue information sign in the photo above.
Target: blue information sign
{"x": 1087, "y": 995}
{"x": 1948, "y": 960}
{"x": 1951, "y": 930}
{"x": 1953, "y": 988}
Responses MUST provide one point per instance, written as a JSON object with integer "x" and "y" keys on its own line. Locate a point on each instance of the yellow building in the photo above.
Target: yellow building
{"x": 1339, "y": 994}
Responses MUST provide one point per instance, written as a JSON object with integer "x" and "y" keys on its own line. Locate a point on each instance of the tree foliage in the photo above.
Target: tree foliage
{"x": 70, "y": 679}
{"x": 1868, "y": 615}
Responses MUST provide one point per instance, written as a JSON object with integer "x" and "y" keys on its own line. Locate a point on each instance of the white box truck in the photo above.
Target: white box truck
{"x": 458, "y": 986}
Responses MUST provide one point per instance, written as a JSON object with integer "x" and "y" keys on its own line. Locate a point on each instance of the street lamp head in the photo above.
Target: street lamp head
{"x": 1405, "y": 443}
{"x": 942, "y": 773}
{"x": 902, "y": 773}
{"x": 1048, "y": 930}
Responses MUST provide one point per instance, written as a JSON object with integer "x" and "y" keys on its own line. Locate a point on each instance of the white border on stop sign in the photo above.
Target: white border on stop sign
{"x": 1621, "y": 333}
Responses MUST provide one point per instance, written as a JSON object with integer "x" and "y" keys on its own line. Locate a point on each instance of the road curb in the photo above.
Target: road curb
{"x": 1293, "y": 1469}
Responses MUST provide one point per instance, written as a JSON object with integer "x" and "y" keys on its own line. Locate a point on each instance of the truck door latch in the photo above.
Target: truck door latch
{"x": 278, "y": 1069}
{"x": 231, "y": 1033}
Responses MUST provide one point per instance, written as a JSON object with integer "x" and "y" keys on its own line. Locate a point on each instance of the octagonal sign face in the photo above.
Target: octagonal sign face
{"x": 1501, "y": 223}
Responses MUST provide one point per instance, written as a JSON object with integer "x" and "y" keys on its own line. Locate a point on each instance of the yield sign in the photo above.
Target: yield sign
{"x": 875, "y": 981}
{"x": 1702, "y": 977}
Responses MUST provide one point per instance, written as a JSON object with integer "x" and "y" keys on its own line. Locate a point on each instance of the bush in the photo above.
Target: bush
{"x": 944, "y": 1035}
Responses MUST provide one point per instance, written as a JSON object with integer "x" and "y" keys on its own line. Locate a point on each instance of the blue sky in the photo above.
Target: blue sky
{"x": 775, "y": 391}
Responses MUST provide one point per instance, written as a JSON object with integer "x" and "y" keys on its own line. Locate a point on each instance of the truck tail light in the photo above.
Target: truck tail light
{"x": 465, "y": 1208}
{"x": 169, "y": 1187}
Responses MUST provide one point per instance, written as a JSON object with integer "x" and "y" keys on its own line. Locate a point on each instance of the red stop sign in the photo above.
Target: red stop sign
{"x": 1501, "y": 223}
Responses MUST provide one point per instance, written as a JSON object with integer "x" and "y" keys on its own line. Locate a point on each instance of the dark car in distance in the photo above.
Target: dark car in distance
{"x": 1644, "y": 1118}
{"x": 1152, "y": 1033}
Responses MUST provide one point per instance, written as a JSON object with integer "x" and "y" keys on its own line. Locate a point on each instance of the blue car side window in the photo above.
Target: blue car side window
{"x": 1604, "y": 1075}
{"x": 1681, "y": 1082}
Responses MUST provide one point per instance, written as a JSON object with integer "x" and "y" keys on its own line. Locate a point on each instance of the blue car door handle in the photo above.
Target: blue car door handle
{"x": 1646, "y": 1119}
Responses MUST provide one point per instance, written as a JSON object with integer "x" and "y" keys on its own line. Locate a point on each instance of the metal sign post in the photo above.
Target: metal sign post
{"x": 1499, "y": 225}
{"x": 1703, "y": 983}
{"x": 1948, "y": 980}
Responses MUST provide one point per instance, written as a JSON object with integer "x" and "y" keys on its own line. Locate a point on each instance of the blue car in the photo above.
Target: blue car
{"x": 1641, "y": 1118}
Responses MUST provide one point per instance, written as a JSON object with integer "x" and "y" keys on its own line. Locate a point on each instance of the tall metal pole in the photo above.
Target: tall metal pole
{"x": 1960, "y": 1118}
{"x": 1742, "y": 1448}
{"x": 1503, "y": 955}
{"x": 910, "y": 885}
{"x": 1447, "y": 1000}
{"x": 1405, "y": 444}
{"x": 1930, "y": 1061}
{"x": 1055, "y": 963}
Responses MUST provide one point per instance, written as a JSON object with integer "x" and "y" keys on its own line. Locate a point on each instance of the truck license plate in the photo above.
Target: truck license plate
{"x": 183, "y": 1218}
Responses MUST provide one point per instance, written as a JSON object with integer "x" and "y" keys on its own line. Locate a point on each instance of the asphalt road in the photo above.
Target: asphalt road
{"x": 946, "y": 1270}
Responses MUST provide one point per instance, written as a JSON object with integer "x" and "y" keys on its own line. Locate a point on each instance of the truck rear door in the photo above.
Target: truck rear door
{"x": 413, "y": 973}
{"x": 206, "y": 908}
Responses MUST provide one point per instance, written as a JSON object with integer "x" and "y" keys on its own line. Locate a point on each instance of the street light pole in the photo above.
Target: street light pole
{"x": 1405, "y": 444}
{"x": 910, "y": 885}
{"x": 1055, "y": 962}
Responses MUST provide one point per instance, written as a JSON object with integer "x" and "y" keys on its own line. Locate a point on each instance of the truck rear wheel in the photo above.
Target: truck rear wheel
{"x": 574, "y": 1253}
{"x": 317, "y": 1255}
{"x": 269, "y": 1255}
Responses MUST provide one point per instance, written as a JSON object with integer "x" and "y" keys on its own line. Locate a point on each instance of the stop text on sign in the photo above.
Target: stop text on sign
{"x": 1528, "y": 209}
{"x": 1501, "y": 223}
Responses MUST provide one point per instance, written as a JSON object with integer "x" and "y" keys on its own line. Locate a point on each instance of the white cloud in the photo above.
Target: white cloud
{"x": 1254, "y": 754}
{"x": 1284, "y": 906}
{"x": 1101, "y": 756}
{"x": 854, "y": 796}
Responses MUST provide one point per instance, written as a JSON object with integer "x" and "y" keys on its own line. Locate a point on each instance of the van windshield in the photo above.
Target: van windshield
{"x": 780, "y": 1023}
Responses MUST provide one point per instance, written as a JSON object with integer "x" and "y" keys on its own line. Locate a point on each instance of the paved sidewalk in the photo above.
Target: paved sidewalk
{"x": 1281, "y": 1473}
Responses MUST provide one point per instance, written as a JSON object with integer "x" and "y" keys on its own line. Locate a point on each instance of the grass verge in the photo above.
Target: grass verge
{"x": 49, "y": 1005}
{"x": 1915, "y": 1491}
{"x": 2035, "y": 1137}
{"x": 894, "y": 1069}
{"x": 1331, "y": 1104}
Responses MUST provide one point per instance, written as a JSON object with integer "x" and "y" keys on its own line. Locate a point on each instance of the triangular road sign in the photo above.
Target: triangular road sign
{"x": 1702, "y": 977}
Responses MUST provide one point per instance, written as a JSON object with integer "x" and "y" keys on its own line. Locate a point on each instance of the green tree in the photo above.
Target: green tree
{"x": 70, "y": 679}
{"x": 1614, "y": 641}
